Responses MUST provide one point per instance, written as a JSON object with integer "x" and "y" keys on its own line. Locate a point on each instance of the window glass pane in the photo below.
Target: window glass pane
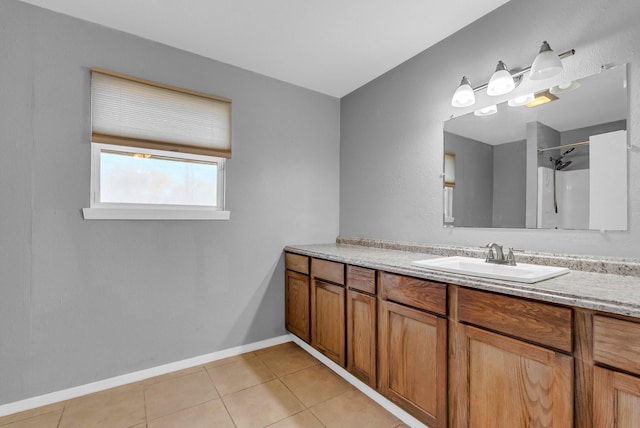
{"x": 138, "y": 178}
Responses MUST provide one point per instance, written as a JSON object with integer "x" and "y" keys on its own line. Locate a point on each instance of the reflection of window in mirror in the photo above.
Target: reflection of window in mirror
{"x": 450, "y": 170}
{"x": 449, "y": 184}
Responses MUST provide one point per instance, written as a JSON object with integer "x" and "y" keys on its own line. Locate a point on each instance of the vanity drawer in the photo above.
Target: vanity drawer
{"x": 616, "y": 343}
{"x": 361, "y": 279}
{"x": 536, "y": 322}
{"x": 419, "y": 293}
{"x": 297, "y": 263}
{"x": 329, "y": 271}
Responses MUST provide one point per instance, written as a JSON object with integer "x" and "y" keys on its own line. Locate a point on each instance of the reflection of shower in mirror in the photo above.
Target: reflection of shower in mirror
{"x": 591, "y": 198}
{"x": 558, "y": 165}
{"x": 571, "y": 191}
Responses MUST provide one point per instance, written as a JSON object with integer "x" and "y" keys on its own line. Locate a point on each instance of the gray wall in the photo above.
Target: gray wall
{"x": 509, "y": 184}
{"x": 396, "y": 121}
{"x": 473, "y": 194}
{"x": 84, "y": 300}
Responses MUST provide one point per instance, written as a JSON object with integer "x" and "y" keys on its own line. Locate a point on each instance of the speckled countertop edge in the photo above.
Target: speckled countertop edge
{"x": 606, "y": 292}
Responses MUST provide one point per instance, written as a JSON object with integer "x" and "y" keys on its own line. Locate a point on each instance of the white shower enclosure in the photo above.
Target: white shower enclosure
{"x": 593, "y": 198}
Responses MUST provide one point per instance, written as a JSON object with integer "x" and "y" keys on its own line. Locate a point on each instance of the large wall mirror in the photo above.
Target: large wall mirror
{"x": 556, "y": 165}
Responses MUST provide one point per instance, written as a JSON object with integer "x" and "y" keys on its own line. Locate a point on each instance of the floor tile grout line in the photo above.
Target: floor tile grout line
{"x": 295, "y": 414}
{"x": 3, "y": 424}
{"x": 144, "y": 403}
{"x": 219, "y": 397}
{"x": 226, "y": 409}
{"x": 147, "y": 421}
{"x": 64, "y": 408}
{"x": 352, "y": 388}
{"x": 247, "y": 387}
{"x": 212, "y": 382}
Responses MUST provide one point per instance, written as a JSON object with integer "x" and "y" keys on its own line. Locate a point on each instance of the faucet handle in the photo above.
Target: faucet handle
{"x": 489, "y": 255}
{"x": 511, "y": 259}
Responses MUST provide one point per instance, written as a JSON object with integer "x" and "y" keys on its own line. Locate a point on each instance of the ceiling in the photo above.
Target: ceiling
{"x": 329, "y": 46}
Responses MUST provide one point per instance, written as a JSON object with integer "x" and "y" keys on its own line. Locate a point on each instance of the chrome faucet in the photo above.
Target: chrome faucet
{"x": 496, "y": 255}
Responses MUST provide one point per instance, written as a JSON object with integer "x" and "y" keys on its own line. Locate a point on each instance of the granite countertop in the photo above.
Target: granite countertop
{"x": 607, "y": 292}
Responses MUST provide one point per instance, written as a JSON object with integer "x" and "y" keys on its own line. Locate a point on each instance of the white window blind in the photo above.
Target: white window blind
{"x": 133, "y": 112}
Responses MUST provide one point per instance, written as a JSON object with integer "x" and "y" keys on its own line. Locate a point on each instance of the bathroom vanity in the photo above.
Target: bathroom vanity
{"x": 461, "y": 351}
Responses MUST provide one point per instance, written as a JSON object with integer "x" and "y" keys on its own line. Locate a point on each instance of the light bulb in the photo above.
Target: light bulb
{"x": 486, "y": 111}
{"x": 521, "y": 100}
{"x": 501, "y": 82}
{"x": 464, "y": 95}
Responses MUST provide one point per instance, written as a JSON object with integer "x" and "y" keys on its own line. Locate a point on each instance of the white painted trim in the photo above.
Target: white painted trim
{"x": 101, "y": 385}
{"x": 364, "y": 388}
{"x": 152, "y": 214}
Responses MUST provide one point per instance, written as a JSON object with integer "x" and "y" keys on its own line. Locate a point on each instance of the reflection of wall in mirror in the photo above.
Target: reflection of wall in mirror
{"x": 473, "y": 195}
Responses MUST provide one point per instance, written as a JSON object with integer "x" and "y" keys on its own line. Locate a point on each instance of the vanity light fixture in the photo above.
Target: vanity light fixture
{"x": 542, "y": 97}
{"x": 464, "y": 95}
{"x": 521, "y": 100}
{"x": 545, "y": 65}
{"x": 501, "y": 81}
{"x": 486, "y": 111}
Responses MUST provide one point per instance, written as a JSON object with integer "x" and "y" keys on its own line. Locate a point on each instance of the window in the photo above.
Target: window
{"x": 157, "y": 152}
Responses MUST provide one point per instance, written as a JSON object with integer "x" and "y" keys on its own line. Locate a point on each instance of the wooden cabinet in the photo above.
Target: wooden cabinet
{"x": 362, "y": 323}
{"x": 297, "y": 296}
{"x": 616, "y": 399}
{"x": 297, "y": 304}
{"x": 459, "y": 357}
{"x": 510, "y": 383}
{"x": 413, "y": 347}
{"x": 616, "y": 395}
{"x": 328, "y": 313}
{"x": 498, "y": 378}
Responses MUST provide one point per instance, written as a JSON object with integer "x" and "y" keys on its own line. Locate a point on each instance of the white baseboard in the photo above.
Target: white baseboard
{"x": 101, "y": 385}
{"x": 364, "y": 388}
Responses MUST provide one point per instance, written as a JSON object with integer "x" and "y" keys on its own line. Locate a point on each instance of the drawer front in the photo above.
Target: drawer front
{"x": 616, "y": 343}
{"x": 419, "y": 293}
{"x": 329, "y": 271}
{"x": 362, "y": 279}
{"x": 297, "y": 263}
{"x": 537, "y": 322}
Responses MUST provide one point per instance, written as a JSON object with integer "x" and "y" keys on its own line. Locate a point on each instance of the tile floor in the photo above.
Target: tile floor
{"x": 280, "y": 387}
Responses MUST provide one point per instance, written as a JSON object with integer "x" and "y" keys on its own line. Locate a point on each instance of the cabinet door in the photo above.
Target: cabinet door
{"x": 510, "y": 383}
{"x": 297, "y": 304}
{"x": 413, "y": 362}
{"x": 616, "y": 399}
{"x": 361, "y": 336}
{"x": 328, "y": 320}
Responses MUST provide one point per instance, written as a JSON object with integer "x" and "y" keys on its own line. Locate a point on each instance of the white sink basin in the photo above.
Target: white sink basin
{"x": 478, "y": 267}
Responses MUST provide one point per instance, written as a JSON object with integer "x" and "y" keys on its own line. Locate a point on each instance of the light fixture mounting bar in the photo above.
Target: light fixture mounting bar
{"x": 517, "y": 75}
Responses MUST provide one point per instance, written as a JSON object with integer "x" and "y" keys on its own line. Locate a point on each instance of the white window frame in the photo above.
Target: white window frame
{"x": 126, "y": 211}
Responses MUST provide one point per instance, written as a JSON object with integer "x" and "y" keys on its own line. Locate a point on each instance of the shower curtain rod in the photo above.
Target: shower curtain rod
{"x": 583, "y": 143}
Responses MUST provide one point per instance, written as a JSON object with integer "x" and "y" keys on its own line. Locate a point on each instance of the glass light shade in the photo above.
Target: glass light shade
{"x": 547, "y": 64}
{"x": 501, "y": 82}
{"x": 521, "y": 100}
{"x": 486, "y": 111}
{"x": 464, "y": 95}
{"x": 564, "y": 87}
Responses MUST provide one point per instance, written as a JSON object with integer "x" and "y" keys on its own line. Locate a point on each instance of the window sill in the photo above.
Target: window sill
{"x": 152, "y": 214}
